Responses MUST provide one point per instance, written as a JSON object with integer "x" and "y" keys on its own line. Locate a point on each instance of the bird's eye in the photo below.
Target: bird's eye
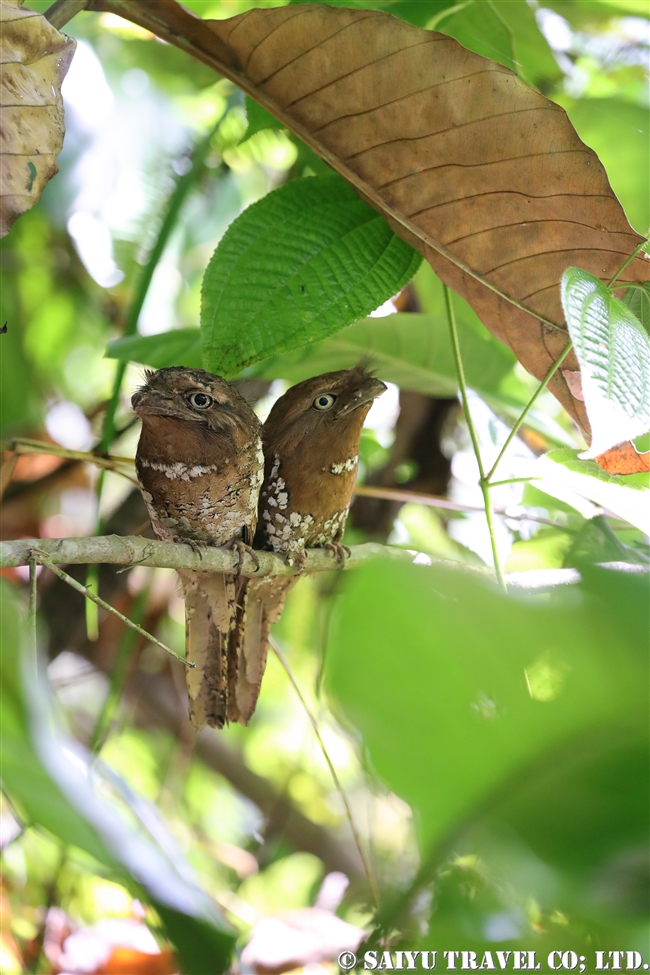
{"x": 324, "y": 402}
{"x": 200, "y": 401}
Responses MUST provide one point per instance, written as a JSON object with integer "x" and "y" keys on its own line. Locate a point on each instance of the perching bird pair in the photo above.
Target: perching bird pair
{"x": 211, "y": 475}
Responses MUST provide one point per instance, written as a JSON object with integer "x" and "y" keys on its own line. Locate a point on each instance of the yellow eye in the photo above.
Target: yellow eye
{"x": 324, "y": 402}
{"x": 200, "y": 401}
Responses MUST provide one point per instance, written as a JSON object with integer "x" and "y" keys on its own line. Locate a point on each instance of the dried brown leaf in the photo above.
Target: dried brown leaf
{"x": 34, "y": 59}
{"x": 624, "y": 459}
{"x": 483, "y": 175}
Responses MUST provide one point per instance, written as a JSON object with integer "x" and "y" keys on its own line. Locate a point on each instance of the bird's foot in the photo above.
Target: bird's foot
{"x": 243, "y": 549}
{"x": 341, "y": 552}
{"x": 197, "y": 547}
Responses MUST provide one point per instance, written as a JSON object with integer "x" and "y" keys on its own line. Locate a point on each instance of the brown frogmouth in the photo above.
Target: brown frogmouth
{"x": 200, "y": 466}
{"x": 311, "y": 454}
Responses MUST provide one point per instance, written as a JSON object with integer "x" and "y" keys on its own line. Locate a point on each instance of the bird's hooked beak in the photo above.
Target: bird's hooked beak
{"x": 366, "y": 393}
{"x": 146, "y": 402}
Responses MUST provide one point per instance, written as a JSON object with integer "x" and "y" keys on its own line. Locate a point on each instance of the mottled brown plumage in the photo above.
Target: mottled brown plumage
{"x": 200, "y": 464}
{"x": 311, "y": 446}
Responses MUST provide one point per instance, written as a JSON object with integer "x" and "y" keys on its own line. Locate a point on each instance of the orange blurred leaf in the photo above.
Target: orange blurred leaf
{"x": 624, "y": 459}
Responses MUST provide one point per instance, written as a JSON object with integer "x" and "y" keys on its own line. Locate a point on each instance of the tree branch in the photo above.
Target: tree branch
{"x": 134, "y": 550}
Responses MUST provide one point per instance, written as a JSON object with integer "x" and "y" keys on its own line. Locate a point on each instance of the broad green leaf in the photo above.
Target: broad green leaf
{"x": 586, "y": 13}
{"x": 619, "y": 132}
{"x": 613, "y": 350}
{"x": 179, "y": 347}
{"x": 597, "y": 542}
{"x": 409, "y": 349}
{"x": 465, "y": 697}
{"x": 300, "y": 264}
{"x": 418, "y": 12}
{"x": 259, "y": 118}
{"x": 54, "y": 780}
{"x": 478, "y": 27}
{"x": 531, "y": 51}
{"x": 505, "y": 31}
{"x": 627, "y": 496}
{"x": 637, "y": 300}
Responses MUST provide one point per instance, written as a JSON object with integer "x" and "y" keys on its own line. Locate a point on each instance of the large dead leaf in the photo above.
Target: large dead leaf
{"x": 483, "y": 175}
{"x": 34, "y": 59}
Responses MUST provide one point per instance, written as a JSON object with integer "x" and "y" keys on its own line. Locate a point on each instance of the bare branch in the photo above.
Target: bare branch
{"x": 134, "y": 550}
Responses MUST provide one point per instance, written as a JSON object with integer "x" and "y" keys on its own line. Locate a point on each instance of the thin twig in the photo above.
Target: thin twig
{"x": 433, "y": 501}
{"x": 43, "y": 560}
{"x": 174, "y": 205}
{"x": 483, "y": 483}
{"x": 372, "y": 881}
{"x": 25, "y": 446}
{"x": 64, "y": 10}
{"x": 627, "y": 262}
{"x": 524, "y": 413}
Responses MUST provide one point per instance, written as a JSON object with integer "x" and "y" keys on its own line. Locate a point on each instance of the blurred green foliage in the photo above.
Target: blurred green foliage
{"x": 508, "y": 717}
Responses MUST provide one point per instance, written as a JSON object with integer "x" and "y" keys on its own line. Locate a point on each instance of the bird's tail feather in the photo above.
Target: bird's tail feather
{"x": 210, "y": 605}
{"x": 259, "y": 605}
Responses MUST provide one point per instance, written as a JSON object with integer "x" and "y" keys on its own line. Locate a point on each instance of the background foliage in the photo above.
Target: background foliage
{"x": 494, "y": 750}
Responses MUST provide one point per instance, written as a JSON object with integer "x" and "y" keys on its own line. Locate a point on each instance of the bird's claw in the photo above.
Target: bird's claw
{"x": 242, "y": 549}
{"x": 197, "y": 547}
{"x": 341, "y": 552}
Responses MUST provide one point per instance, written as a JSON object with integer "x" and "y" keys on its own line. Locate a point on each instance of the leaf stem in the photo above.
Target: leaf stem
{"x": 483, "y": 481}
{"x": 43, "y": 560}
{"x": 513, "y": 480}
{"x": 177, "y": 199}
{"x": 527, "y": 408}
{"x": 627, "y": 262}
{"x": 372, "y": 880}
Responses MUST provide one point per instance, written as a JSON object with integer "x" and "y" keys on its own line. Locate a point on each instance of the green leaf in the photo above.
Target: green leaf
{"x": 589, "y": 13}
{"x": 478, "y": 26}
{"x": 637, "y": 300}
{"x": 614, "y": 355}
{"x": 466, "y": 698}
{"x": 506, "y": 32}
{"x": 179, "y": 347}
{"x": 531, "y": 51}
{"x": 619, "y": 133}
{"x": 626, "y": 496}
{"x": 54, "y": 781}
{"x": 300, "y": 264}
{"x": 409, "y": 349}
{"x": 597, "y": 542}
{"x": 259, "y": 119}
{"x": 418, "y": 12}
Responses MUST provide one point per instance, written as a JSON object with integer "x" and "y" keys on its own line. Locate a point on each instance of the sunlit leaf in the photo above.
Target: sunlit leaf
{"x": 637, "y": 300}
{"x": 465, "y": 697}
{"x": 300, "y": 264}
{"x": 614, "y": 355}
{"x": 180, "y": 347}
{"x": 626, "y": 496}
